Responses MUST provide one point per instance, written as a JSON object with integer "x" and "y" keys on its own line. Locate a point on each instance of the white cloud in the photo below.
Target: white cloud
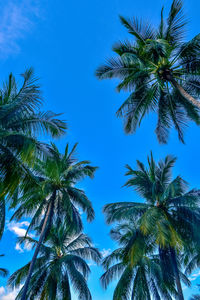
{"x": 19, "y": 248}
{"x": 196, "y": 274}
{"x": 19, "y": 229}
{"x": 2, "y": 290}
{"x": 8, "y": 294}
{"x": 27, "y": 246}
{"x": 192, "y": 278}
{"x": 105, "y": 252}
{"x": 92, "y": 264}
{"x": 16, "y": 21}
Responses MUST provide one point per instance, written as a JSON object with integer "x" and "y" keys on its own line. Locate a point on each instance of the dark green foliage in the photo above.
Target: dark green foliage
{"x": 57, "y": 177}
{"x": 165, "y": 224}
{"x": 21, "y": 122}
{"x": 139, "y": 277}
{"x": 60, "y": 267}
{"x": 160, "y": 71}
{"x": 169, "y": 209}
{"x": 55, "y": 199}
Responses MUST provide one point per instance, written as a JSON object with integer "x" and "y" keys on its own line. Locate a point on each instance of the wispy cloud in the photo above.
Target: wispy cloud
{"x": 17, "y": 19}
{"x": 2, "y": 290}
{"x": 6, "y": 294}
{"x": 92, "y": 264}
{"x": 19, "y": 248}
{"x": 19, "y": 229}
{"x": 105, "y": 252}
{"x": 194, "y": 276}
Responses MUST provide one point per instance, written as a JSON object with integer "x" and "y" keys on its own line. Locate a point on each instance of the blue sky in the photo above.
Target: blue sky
{"x": 65, "y": 41}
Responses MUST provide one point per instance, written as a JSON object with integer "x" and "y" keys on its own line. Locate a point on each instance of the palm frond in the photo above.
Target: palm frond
{"x": 138, "y": 29}
{"x": 175, "y": 23}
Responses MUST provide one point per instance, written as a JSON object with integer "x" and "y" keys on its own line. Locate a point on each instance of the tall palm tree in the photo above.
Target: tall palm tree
{"x": 161, "y": 72}
{"x": 21, "y": 122}
{"x": 140, "y": 278}
{"x": 60, "y": 266}
{"x": 56, "y": 196}
{"x": 170, "y": 213}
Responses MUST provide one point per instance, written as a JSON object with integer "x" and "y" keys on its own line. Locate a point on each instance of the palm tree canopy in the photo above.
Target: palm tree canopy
{"x": 21, "y": 122}
{"x": 57, "y": 179}
{"x": 170, "y": 211}
{"x": 161, "y": 72}
{"x": 143, "y": 277}
{"x": 169, "y": 217}
{"x": 60, "y": 267}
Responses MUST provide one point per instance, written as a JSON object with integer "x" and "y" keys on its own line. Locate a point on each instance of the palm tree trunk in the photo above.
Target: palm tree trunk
{"x": 176, "y": 273}
{"x": 166, "y": 265}
{"x": 184, "y": 94}
{"x": 44, "y": 228}
{"x": 2, "y": 216}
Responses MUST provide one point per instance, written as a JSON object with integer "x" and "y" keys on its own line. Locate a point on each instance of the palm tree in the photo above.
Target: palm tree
{"x": 3, "y": 272}
{"x": 170, "y": 213}
{"x": 161, "y": 72}
{"x": 21, "y": 123}
{"x": 60, "y": 265}
{"x": 56, "y": 196}
{"x": 140, "y": 278}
